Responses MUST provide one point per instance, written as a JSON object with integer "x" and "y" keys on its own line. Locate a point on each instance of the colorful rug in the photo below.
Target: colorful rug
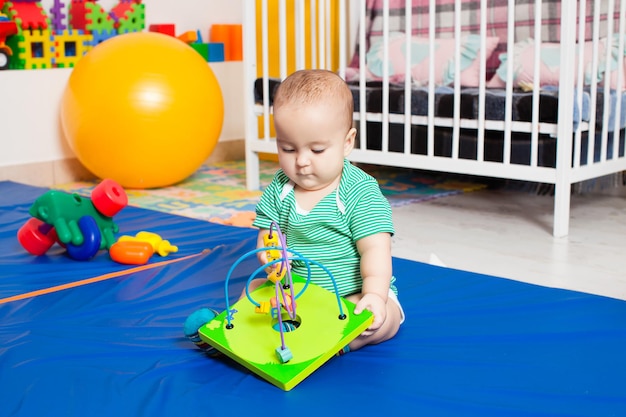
{"x": 218, "y": 192}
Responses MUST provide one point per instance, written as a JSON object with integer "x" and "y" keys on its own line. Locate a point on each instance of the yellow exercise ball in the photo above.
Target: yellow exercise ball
{"x": 143, "y": 109}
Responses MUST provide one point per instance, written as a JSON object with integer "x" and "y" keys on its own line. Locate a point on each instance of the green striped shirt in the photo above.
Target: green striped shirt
{"x": 329, "y": 232}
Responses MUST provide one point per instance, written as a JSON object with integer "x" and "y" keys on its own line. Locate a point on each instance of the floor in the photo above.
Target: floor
{"x": 508, "y": 234}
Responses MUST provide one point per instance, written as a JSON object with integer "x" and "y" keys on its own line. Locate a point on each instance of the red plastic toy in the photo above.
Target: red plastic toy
{"x": 7, "y": 28}
{"x": 82, "y": 225}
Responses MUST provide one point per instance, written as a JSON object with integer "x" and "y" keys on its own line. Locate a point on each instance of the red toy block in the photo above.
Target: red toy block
{"x": 31, "y": 15}
{"x": 78, "y": 15}
{"x": 165, "y": 28}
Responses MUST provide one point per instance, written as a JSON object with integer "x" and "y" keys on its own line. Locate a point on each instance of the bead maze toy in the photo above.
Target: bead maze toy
{"x": 288, "y": 327}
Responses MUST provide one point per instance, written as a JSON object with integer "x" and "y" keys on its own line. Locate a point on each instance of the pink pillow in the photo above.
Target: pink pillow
{"x": 420, "y": 60}
{"x": 524, "y": 59}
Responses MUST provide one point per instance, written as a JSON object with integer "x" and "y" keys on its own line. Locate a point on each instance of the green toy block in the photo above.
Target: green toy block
{"x": 98, "y": 18}
{"x": 134, "y": 20}
{"x": 202, "y": 49}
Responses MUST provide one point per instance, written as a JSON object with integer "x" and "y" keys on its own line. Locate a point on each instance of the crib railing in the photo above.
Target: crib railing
{"x": 284, "y": 35}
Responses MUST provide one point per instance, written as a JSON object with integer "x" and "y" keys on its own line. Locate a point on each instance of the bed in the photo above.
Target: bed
{"x": 485, "y": 93}
{"x": 101, "y": 339}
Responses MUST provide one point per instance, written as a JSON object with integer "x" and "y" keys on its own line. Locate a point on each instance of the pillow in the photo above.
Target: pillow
{"x": 524, "y": 60}
{"x": 420, "y": 60}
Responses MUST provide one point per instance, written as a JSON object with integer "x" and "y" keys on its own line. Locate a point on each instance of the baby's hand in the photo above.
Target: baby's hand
{"x": 377, "y": 306}
{"x": 262, "y": 257}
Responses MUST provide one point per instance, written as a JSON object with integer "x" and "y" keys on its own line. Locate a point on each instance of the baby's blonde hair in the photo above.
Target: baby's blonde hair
{"x": 315, "y": 86}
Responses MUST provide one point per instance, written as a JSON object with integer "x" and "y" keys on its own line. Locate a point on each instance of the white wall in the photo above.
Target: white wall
{"x": 29, "y": 99}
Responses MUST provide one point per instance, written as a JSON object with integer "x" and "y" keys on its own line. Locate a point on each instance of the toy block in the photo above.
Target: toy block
{"x": 99, "y": 36}
{"x": 58, "y": 17}
{"x": 16, "y": 43}
{"x": 188, "y": 37}
{"x": 202, "y": 49}
{"x": 215, "y": 52}
{"x": 133, "y": 18}
{"x": 32, "y": 49}
{"x": 165, "y": 28}
{"x": 97, "y": 18}
{"x": 77, "y": 15}
{"x": 69, "y": 46}
{"x": 231, "y": 37}
{"x": 87, "y": 16}
{"x": 119, "y": 10}
{"x": 31, "y": 15}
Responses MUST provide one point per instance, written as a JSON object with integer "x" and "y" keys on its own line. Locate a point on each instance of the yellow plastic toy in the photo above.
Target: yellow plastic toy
{"x": 159, "y": 245}
{"x": 138, "y": 249}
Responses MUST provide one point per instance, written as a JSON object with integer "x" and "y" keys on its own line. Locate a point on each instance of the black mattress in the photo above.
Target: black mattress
{"x": 495, "y": 100}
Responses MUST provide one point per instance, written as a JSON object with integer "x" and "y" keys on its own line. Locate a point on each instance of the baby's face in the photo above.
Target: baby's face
{"x": 312, "y": 141}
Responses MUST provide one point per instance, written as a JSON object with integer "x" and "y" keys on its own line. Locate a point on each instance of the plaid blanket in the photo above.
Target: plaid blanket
{"x": 497, "y": 20}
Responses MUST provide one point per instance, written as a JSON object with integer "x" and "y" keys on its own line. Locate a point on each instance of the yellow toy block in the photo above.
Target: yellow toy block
{"x": 35, "y": 49}
{"x": 69, "y": 46}
{"x": 263, "y": 308}
{"x": 277, "y": 274}
{"x": 271, "y": 239}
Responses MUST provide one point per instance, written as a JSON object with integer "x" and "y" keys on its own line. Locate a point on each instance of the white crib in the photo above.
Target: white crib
{"x": 455, "y": 124}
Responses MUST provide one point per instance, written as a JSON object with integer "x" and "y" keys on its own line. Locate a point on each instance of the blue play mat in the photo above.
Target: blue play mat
{"x": 472, "y": 345}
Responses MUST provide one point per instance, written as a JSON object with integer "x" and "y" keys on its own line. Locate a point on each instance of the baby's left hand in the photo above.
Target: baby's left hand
{"x": 377, "y": 306}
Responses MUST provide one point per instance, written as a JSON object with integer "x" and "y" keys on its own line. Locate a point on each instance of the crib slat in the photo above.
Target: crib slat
{"x": 607, "y": 89}
{"x": 343, "y": 37}
{"x": 265, "y": 70}
{"x": 282, "y": 38}
{"x": 534, "y": 143}
{"x": 362, "y": 99}
{"x": 564, "y": 147}
{"x": 457, "y": 80}
{"x": 620, "y": 77}
{"x": 321, "y": 34}
{"x": 594, "y": 84}
{"x": 407, "y": 79}
{"x": 480, "y": 136}
{"x": 579, "y": 83}
{"x": 301, "y": 35}
{"x": 385, "y": 97}
{"x": 508, "y": 112}
{"x": 431, "y": 79}
{"x": 250, "y": 75}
